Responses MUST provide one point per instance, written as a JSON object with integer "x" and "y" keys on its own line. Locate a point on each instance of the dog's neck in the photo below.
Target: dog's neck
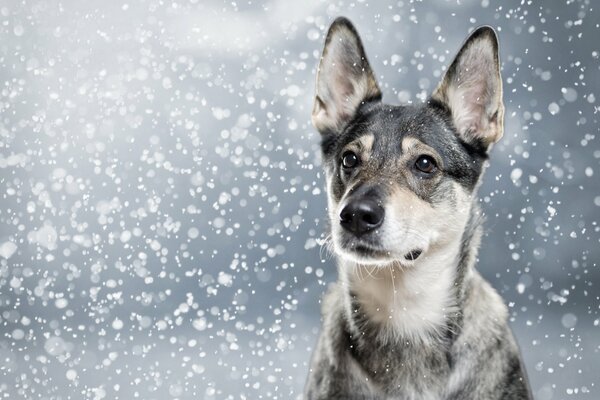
{"x": 415, "y": 303}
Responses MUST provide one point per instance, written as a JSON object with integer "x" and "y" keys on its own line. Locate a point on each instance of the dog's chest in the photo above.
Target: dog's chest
{"x": 396, "y": 305}
{"x": 400, "y": 372}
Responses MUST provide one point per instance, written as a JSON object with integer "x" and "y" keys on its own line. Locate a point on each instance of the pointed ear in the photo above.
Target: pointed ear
{"x": 472, "y": 89}
{"x": 344, "y": 79}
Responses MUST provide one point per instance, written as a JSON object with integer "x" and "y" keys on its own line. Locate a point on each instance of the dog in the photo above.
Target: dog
{"x": 409, "y": 317}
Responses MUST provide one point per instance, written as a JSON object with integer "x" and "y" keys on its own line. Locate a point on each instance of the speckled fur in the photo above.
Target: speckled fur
{"x": 430, "y": 328}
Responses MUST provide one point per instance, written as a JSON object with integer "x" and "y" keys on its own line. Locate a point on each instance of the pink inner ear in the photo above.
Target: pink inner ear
{"x": 343, "y": 90}
{"x": 344, "y": 80}
{"x": 473, "y": 92}
{"x": 467, "y": 102}
{"x": 342, "y": 86}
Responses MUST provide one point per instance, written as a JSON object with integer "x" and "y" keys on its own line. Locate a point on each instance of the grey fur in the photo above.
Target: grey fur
{"x": 473, "y": 354}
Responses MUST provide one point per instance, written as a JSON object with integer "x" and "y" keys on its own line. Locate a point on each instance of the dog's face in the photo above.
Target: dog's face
{"x": 400, "y": 179}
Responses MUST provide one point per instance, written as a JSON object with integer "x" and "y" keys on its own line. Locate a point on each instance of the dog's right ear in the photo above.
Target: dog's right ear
{"x": 344, "y": 79}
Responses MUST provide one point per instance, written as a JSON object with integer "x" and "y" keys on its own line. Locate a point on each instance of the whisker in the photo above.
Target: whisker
{"x": 327, "y": 247}
{"x": 393, "y": 284}
{"x": 360, "y": 272}
{"x": 371, "y": 272}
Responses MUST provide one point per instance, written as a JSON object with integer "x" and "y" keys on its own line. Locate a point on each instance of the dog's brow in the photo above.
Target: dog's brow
{"x": 408, "y": 142}
{"x": 364, "y": 143}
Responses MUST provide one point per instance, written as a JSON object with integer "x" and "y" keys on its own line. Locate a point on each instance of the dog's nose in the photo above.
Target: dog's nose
{"x": 361, "y": 216}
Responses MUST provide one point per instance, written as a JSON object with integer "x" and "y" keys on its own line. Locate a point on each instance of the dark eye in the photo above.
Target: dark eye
{"x": 425, "y": 164}
{"x": 349, "y": 160}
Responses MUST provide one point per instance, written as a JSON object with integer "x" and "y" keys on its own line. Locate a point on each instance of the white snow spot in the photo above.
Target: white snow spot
{"x": 569, "y": 94}
{"x": 219, "y": 222}
{"x": 71, "y": 374}
{"x": 15, "y": 282}
{"x": 61, "y": 303}
{"x": 199, "y": 324}
{"x": 7, "y": 249}
{"x": 125, "y": 236}
{"x": 589, "y": 172}
{"x": 55, "y": 346}
{"x": 46, "y": 237}
{"x": 18, "y": 30}
{"x": 18, "y": 334}
{"x": 225, "y": 279}
{"x": 516, "y": 174}
{"x": 220, "y": 113}
{"x": 293, "y": 91}
{"x": 175, "y": 390}
{"x": 193, "y": 233}
{"x": 18, "y": 159}
{"x": 569, "y": 320}
{"x": 117, "y": 324}
{"x": 99, "y": 393}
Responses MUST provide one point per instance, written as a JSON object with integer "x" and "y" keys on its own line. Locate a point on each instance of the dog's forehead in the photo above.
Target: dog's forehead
{"x": 391, "y": 129}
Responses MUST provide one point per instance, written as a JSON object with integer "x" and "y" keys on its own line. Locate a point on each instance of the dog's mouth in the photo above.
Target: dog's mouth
{"x": 413, "y": 255}
{"x": 366, "y": 251}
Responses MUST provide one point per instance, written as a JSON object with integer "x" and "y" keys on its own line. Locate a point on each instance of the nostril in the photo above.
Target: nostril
{"x": 371, "y": 213}
{"x": 371, "y": 217}
{"x": 346, "y": 215}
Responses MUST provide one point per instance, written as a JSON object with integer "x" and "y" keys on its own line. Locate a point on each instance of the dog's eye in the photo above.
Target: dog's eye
{"x": 349, "y": 160}
{"x": 425, "y": 164}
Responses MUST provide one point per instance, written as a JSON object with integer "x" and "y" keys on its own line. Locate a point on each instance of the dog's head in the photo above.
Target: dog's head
{"x": 401, "y": 179}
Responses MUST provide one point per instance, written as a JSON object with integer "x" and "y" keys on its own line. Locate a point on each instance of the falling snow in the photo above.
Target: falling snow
{"x": 163, "y": 217}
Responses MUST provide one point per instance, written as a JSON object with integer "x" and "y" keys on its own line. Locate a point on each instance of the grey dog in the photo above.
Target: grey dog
{"x": 410, "y": 317}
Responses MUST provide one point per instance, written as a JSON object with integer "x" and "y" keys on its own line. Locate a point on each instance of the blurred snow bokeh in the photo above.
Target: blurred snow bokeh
{"x": 162, "y": 203}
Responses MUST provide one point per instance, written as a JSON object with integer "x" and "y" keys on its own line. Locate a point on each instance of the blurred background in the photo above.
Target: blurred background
{"x": 162, "y": 203}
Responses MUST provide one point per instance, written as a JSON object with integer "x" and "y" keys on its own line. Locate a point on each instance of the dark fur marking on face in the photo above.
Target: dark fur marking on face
{"x": 428, "y": 123}
{"x": 331, "y": 141}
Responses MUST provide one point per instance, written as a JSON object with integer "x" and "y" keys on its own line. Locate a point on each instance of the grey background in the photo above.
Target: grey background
{"x": 162, "y": 203}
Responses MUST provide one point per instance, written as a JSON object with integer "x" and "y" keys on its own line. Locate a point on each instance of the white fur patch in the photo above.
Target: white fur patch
{"x": 412, "y": 299}
{"x": 409, "y": 302}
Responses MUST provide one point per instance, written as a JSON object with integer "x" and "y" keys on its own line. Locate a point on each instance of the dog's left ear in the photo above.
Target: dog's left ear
{"x": 344, "y": 79}
{"x": 472, "y": 89}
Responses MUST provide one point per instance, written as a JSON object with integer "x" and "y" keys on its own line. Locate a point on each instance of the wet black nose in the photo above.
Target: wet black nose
{"x": 361, "y": 216}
